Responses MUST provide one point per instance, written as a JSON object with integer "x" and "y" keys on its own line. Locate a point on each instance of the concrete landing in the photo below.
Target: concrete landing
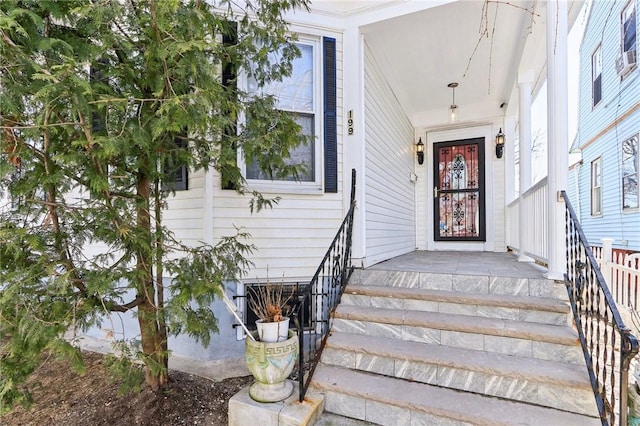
{"x": 463, "y": 263}
{"x": 245, "y": 411}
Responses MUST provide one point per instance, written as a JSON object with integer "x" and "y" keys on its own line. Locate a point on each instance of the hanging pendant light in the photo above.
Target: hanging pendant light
{"x": 453, "y": 109}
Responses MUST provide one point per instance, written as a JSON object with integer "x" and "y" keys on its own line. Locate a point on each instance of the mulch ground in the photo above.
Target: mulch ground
{"x": 62, "y": 397}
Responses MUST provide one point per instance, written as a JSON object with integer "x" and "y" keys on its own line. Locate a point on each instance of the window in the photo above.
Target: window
{"x": 291, "y": 290}
{"x": 176, "y": 172}
{"x": 629, "y": 28}
{"x": 630, "y": 173}
{"x": 596, "y": 75}
{"x": 311, "y": 100}
{"x": 296, "y": 95}
{"x": 596, "y": 187}
{"x": 628, "y": 56}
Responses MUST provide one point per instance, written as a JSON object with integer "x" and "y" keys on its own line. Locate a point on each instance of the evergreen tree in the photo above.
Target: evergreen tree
{"x": 101, "y": 101}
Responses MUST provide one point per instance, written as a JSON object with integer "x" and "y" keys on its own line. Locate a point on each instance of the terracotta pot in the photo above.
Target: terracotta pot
{"x": 273, "y": 331}
{"x": 271, "y": 364}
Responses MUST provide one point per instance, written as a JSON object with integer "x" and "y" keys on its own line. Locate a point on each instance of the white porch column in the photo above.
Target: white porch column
{"x": 557, "y": 134}
{"x": 510, "y": 125}
{"x": 524, "y": 116}
{"x": 353, "y": 144}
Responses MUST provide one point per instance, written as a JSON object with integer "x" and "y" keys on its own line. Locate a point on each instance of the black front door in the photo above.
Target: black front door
{"x": 459, "y": 199}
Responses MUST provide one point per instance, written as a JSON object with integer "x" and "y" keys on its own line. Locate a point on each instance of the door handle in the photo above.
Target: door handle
{"x": 435, "y": 192}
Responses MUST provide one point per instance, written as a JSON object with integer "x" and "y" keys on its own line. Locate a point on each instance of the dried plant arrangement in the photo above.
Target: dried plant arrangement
{"x": 269, "y": 302}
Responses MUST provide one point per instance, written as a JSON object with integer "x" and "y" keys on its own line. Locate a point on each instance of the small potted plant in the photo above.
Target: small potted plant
{"x": 269, "y": 304}
{"x": 272, "y": 350}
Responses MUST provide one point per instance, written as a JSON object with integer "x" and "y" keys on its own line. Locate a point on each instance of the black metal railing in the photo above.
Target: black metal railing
{"x": 607, "y": 343}
{"x": 315, "y": 306}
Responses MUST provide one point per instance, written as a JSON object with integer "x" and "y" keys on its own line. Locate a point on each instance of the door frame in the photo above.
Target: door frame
{"x": 485, "y": 132}
{"x": 481, "y": 189}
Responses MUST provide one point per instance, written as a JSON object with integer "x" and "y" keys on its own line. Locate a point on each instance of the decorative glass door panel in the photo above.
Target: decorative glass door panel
{"x": 459, "y": 190}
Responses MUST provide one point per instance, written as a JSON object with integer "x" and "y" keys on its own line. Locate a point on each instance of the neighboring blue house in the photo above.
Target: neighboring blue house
{"x": 603, "y": 181}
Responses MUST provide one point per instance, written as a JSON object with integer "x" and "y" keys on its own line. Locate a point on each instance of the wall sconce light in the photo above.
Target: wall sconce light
{"x": 453, "y": 109}
{"x": 499, "y": 143}
{"x": 420, "y": 151}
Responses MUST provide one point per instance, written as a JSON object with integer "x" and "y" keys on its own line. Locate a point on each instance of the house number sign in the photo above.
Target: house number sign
{"x": 350, "y": 123}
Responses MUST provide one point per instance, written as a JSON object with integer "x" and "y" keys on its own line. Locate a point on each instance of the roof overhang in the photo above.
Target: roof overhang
{"x": 423, "y": 45}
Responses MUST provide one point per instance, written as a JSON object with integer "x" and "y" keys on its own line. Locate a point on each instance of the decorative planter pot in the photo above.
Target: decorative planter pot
{"x": 271, "y": 364}
{"x": 271, "y": 332}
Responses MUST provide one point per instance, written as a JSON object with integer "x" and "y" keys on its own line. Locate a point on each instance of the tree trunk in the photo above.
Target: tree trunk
{"x": 159, "y": 257}
{"x": 156, "y": 374}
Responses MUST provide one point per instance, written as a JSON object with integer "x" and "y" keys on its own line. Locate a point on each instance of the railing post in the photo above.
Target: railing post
{"x": 607, "y": 256}
{"x": 607, "y": 249}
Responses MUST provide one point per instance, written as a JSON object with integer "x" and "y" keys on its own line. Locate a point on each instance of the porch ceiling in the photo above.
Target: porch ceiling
{"x": 475, "y": 44}
{"x": 422, "y": 45}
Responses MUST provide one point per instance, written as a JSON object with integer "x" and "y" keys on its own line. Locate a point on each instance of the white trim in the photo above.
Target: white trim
{"x": 353, "y": 151}
{"x": 240, "y": 293}
{"x": 631, "y": 5}
{"x": 524, "y": 152}
{"x": 597, "y": 176}
{"x": 486, "y": 132}
{"x": 557, "y": 135}
{"x": 597, "y": 50}
{"x": 636, "y": 161}
{"x": 208, "y": 192}
{"x": 292, "y": 187}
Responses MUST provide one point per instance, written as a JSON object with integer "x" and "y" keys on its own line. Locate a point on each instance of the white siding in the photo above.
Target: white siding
{"x": 183, "y": 215}
{"x": 389, "y": 193}
{"x": 495, "y": 191}
{"x": 185, "y": 211}
{"x": 292, "y": 238}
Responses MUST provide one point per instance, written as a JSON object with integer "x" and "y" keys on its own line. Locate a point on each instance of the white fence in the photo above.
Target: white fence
{"x": 621, "y": 271}
{"x": 533, "y": 241}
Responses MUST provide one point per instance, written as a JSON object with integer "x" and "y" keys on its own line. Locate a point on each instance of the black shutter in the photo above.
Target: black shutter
{"x": 229, "y": 81}
{"x": 330, "y": 119}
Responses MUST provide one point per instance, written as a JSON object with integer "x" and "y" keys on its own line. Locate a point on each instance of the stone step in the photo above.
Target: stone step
{"x": 396, "y": 402}
{"x": 331, "y": 419}
{"x": 527, "y": 339}
{"x": 488, "y": 284}
{"x": 544, "y": 310}
{"x": 546, "y": 383}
